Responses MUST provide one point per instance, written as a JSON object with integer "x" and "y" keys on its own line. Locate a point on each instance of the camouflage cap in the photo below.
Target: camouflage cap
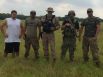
{"x": 71, "y": 12}
{"x": 33, "y": 12}
{"x": 50, "y": 9}
{"x": 13, "y": 11}
{"x": 89, "y": 10}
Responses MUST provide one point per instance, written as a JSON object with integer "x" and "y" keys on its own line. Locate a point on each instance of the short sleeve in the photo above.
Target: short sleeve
{"x": 83, "y": 22}
{"x": 39, "y": 23}
{"x": 97, "y": 21}
{"x": 57, "y": 22}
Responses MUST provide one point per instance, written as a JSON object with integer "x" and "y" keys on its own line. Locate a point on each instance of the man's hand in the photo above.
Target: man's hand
{"x": 24, "y": 36}
{"x": 94, "y": 38}
{"x": 52, "y": 28}
{"x": 80, "y": 32}
{"x": 20, "y": 36}
{"x": 68, "y": 24}
{"x": 6, "y": 35}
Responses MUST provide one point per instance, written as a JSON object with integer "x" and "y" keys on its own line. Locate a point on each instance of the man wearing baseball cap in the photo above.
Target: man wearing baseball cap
{"x": 32, "y": 24}
{"x": 91, "y": 26}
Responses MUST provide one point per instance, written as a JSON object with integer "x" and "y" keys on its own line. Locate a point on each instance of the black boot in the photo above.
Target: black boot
{"x": 97, "y": 64}
{"x": 47, "y": 58}
{"x": 71, "y": 56}
{"x": 26, "y": 55}
{"x": 71, "y": 59}
{"x": 86, "y": 59}
{"x": 37, "y": 55}
{"x": 5, "y": 54}
{"x": 54, "y": 60}
{"x": 62, "y": 57}
{"x": 13, "y": 54}
{"x": 17, "y": 54}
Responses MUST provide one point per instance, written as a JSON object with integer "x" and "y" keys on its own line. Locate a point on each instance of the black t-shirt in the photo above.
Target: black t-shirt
{"x": 90, "y": 26}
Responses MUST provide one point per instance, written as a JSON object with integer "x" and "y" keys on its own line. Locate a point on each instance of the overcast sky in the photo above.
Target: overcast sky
{"x": 61, "y": 7}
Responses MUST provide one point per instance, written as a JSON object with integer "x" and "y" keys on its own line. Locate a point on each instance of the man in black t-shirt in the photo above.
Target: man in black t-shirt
{"x": 92, "y": 26}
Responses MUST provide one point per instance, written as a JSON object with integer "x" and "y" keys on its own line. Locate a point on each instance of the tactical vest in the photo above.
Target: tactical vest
{"x": 48, "y": 24}
{"x": 70, "y": 31}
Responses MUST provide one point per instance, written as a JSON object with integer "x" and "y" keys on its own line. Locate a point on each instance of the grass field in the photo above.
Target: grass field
{"x": 20, "y": 67}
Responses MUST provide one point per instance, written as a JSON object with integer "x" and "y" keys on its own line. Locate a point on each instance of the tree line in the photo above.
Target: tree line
{"x": 22, "y": 17}
{"x": 7, "y": 15}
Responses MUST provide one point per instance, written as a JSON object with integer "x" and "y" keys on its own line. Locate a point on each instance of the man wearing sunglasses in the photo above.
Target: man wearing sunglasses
{"x": 92, "y": 27}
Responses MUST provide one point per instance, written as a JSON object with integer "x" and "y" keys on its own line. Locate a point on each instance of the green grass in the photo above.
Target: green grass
{"x": 20, "y": 67}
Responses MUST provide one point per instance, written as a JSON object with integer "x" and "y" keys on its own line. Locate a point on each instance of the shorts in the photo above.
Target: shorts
{"x": 12, "y": 47}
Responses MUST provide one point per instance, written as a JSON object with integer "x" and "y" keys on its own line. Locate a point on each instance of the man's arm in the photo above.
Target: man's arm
{"x": 97, "y": 30}
{"x": 0, "y": 27}
{"x": 40, "y": 29}
{"x": 77, "y": 25}
{"x": 98, "y": 23}
{"x": 77, "y": 28}
{"x": 63, "y": 25}
{"x": 22, "y": 30}
{"x": 3, "y": 28}
{"x": 25, "y": 26}
{"x": 81, "y": 29}
{"x": 57, "y": 24}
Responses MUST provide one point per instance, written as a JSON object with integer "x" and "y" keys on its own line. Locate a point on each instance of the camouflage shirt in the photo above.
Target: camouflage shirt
{"x": 31, "y": 27}
{"x": 75, "y": 22}
{"x": 90, "y": 26}
{"x": 71, "y": 31}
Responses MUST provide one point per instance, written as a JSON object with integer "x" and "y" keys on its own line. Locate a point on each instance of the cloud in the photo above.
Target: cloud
{"x": 61, "y": 7}
{"x": 81, "y": 3}
{"x": 1, "y": 2}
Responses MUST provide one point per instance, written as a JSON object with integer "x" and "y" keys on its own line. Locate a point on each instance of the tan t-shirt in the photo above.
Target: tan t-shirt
{"x": 31, "y": 27}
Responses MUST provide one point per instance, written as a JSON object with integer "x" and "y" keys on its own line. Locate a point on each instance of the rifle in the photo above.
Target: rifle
{"x": 72, "y": 26}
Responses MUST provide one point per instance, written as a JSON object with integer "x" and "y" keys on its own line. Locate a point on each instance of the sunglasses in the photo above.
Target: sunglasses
{"x": 89, "y": 11}
{"x": 33, "y": 13}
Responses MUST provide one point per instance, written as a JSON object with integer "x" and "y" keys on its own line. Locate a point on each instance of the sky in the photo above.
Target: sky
{"x": 61, "y": 7}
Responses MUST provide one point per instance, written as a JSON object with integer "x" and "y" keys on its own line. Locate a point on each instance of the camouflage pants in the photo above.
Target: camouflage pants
{"x": 48, "y": 39}
{"x": 35, "y": 44}
{"x": 92, "y": 44}
{"x": 68, "y": 43}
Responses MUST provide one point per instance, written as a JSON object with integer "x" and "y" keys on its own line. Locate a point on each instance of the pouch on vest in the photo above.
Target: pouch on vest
{"x": 69, "y": 31}
{"x": 48, "y": 24}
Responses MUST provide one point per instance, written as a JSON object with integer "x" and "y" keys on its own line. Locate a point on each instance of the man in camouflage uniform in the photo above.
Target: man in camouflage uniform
{"x": 50, "y": 24}
{"x": 31, "y": 38}
{"x": 70, "y": 28}
{"x": 92, "y": 26}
